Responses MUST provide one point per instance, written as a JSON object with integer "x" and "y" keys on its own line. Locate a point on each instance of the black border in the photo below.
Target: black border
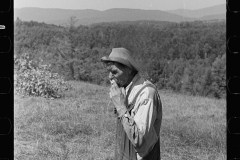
{"x": 6, "y": 71}
{"x": 233, "y": 70}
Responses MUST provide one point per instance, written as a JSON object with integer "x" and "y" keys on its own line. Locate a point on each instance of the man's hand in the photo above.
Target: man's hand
{"x": 118, "y": 97}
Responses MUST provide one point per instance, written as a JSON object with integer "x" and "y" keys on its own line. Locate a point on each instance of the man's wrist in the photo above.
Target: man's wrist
{"x": 122, "y": 111}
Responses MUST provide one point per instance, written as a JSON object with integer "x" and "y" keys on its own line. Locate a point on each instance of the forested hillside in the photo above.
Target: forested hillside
{"x": 187, "y": 57}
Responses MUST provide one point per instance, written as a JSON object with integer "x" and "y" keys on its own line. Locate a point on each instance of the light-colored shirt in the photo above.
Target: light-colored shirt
{"x": 142, "y": 125}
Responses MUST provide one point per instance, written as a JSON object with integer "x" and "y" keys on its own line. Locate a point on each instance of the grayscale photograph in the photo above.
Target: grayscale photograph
{"x": 120, "y": 80}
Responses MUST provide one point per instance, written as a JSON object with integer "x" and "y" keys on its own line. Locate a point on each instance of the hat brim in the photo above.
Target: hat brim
{"x": 106, "y": 59}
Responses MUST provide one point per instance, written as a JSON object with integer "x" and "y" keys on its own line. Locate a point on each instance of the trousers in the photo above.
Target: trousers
{"x": 124, "y": 149}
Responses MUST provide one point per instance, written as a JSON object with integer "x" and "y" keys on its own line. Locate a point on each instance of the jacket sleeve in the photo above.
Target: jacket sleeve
{"x": 139, "y": 127}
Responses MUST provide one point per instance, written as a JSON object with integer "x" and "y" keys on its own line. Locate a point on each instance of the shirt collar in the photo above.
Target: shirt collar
{"x": 134, "y": 80}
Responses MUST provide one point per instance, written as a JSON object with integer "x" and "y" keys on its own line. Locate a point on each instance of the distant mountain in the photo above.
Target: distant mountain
{"x": 213, "y": 17}
{"x": 112, "y": 15}
{"x": 214, "y": 10}
{"x": 89, "y": 16}
{"x": 85, "y": 17}
{"x": 49, "y": 15}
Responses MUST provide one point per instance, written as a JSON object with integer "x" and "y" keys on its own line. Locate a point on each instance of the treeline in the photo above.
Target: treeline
{"x": 187, "y": 57}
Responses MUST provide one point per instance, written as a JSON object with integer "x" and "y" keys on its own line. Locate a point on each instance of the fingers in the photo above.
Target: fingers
{"x": 114, "y": 83}
{"x": 114, "y": 86}
{"x": 110, "y": 94}
{"x": 115, "y": 90}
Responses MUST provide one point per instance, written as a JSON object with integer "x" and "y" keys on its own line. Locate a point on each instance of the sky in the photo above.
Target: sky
{"x": 108, "y": 4}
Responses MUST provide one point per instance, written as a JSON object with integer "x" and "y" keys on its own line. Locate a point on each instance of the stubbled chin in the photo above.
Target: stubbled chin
{"x": 119, "y": 83}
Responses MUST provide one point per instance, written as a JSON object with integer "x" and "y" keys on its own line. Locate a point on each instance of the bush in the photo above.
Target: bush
{"x": 36, "y": 79}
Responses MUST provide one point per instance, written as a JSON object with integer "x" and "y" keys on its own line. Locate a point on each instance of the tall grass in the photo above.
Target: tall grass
{"x": 80, "y": 126}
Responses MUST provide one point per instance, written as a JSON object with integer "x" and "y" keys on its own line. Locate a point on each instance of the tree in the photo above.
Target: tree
{"x": 219, "y": 76}
{"x": 175, "y": 56}
{"x": 207, "y": 84}
{"x": 206, "y": 49}
{"x": 66, "y": 49}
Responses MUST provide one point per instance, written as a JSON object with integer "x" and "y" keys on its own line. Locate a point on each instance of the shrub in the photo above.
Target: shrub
{"x": 33, "y": 78}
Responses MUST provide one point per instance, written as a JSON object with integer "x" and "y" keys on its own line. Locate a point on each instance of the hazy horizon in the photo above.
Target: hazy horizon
{"x": 103, "y": 5}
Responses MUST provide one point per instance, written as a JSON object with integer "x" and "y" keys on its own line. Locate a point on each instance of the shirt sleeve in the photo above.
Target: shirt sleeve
{"x": 139, "y": 126}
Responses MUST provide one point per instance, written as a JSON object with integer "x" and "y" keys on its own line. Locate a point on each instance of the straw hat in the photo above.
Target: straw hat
{"x": 121, "y": 55}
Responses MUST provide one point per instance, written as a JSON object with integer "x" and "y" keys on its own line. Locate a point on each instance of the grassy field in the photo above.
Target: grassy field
{"x": 81, "y": 126}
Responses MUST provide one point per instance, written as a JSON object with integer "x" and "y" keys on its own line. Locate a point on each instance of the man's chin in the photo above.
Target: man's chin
{"x": 120, "y": 84}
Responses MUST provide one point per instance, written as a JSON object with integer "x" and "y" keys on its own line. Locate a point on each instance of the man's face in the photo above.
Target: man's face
{"x": 119, "y": 73}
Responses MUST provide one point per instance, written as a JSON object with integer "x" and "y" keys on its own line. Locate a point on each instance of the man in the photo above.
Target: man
{"x": 138, "y": 106}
